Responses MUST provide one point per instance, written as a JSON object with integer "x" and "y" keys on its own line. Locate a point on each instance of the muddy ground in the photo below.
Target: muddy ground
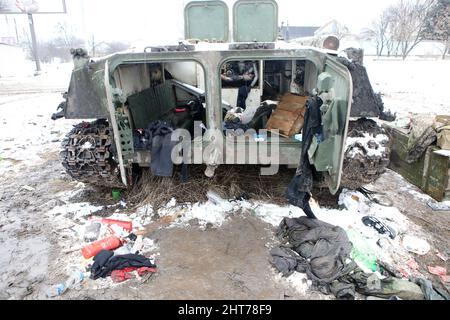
{"x": 230, "y": 262}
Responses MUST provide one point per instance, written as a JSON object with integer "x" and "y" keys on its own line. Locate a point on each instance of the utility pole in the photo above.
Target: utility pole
{"x": 28, "y": 9}
{"x": 34, "y": 43}
{"x": 93, "y": 46}
{"x": 17, "y": 33}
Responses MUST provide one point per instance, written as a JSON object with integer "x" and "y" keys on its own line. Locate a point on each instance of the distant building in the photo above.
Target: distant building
{"x": 8, "y": 40}
{"x": 294, "y": 32}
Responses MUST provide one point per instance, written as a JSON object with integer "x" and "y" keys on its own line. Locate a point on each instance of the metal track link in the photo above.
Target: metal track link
{"x": 88, "y": 154}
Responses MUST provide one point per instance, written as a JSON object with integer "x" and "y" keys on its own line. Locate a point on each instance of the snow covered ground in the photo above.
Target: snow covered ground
{"x": 411, "y": 86}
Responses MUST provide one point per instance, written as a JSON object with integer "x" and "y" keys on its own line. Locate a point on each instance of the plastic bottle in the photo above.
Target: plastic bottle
{"x": 218, "y": 200}
{"x": 75, "y": 278}
{"x": 110, "y": 243}
{"x": 126, "y": 249}
{"x": 362, "y": 253}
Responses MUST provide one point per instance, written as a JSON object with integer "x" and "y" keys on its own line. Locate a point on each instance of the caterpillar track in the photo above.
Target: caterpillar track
{"x": 88, "y": 154}
{"x": 362, "y": 167}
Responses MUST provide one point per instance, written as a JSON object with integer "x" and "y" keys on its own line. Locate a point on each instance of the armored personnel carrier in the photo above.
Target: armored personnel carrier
{"x": 229, "y": 95}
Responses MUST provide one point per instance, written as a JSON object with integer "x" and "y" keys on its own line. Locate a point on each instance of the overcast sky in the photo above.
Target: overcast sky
{"x": 156, "y": 21}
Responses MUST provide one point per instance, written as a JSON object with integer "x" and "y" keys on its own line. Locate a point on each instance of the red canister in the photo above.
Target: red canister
{"x": 93, "y": 249}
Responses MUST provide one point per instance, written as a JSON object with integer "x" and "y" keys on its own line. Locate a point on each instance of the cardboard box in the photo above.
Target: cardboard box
{"x": 289, "y": 116}
{"x": 443, "y": 138}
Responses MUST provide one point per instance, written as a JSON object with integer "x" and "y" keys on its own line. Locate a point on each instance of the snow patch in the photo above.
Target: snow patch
{"x": 299, "y": 281}
{"x": 366, "y": 143}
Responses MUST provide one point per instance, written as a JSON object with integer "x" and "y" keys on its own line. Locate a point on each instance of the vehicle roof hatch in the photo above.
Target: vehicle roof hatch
{"x": 255, "y": 21}
{"x": 207, "y": 20}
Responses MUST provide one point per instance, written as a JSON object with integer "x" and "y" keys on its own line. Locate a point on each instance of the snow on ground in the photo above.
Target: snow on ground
{"x": 373, "y": 146}
{"x": 414, "y": 85}
{"x": 71, "y": 219}
{"x": 24, "y": 142}
{"x": 355, "y": 206}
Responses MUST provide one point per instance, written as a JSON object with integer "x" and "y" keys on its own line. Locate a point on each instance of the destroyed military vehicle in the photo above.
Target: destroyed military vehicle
{"x": 209, "y": 85}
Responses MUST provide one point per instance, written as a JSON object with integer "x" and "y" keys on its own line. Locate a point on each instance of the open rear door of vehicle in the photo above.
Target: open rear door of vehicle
{"x": 326, "y": 153}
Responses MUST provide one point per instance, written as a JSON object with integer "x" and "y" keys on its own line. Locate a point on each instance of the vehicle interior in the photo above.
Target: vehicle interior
{"x": 267, "y": 94}
{"x": 166, "y": 92}
{"x": 261, "y": 94}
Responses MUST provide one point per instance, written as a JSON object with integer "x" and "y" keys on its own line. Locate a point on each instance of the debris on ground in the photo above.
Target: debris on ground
{"x": 439, "y": 206}
{"x": 97, "y": 235}
{"x": 324, "y": 256}
{"x": 75, "y": 278}
{"x": 387, "y": 257}
{"x": 441, "y": 256}
{"x": 105, "y": 263}
{"x": 415, "y": 245}
{"x": 28, "y": 188}
{"x": 379, "y": 226}
{"x": 92, "y": 232}
{"x": 369, "y": 246}
{"x": 439, "y": 271}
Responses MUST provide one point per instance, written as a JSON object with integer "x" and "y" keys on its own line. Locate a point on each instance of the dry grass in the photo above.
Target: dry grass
{"x": 229, "y": 182}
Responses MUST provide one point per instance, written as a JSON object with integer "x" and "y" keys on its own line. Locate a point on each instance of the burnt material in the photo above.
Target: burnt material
{"x": 365, "y": 102}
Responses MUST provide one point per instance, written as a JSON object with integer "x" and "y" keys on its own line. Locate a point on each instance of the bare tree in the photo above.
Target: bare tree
{"x": 67, "y": 34}
{"x": 409, "y": 18}
{"x": 378, "y": 32}
{"x": 116, "y": 46}
{"x": 27, "y": 45}
{"x": 2, "y": 5}
{"x": 438, "y": 25}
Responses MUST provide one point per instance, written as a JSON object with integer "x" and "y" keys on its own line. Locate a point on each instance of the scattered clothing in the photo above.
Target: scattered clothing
{"x": 235, "y": 124}
{"x": 419, "y": 147}
{"x": 157, "y": 138}
{"x": 100, "y": 260}
{"x": 161, "y": 149}
{"x": 242, "y": 96}
{"x": 105, "y": 263}
{"x": 263, "y": 112}
{"x": 429, "y": 291}
{"x": 118, "y": 276}
{"x": 324, "y": 255}
{"x": 285, "y": 260}
{"x": 439, "y": 271}
{"x": 389, "y": 287}
{"x": 324, "y": 246}
{"x": 298, "y": 192}
{"x": 423, "y": 134}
